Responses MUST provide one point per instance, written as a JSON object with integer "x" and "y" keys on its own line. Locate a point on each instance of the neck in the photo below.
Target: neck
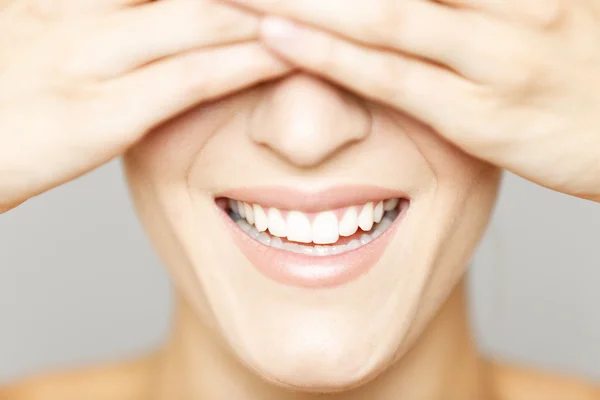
{"x": 443, "y": 364}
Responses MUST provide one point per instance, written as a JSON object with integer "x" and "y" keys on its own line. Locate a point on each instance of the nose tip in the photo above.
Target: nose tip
{"x": 307, "y": 121}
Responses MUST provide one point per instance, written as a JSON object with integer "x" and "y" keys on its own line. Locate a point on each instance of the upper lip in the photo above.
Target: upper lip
{"x": 287, "y": 198}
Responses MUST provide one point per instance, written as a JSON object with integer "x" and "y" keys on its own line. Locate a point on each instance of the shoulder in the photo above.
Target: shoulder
{"x": 519, "y": 383}
{"x": 126, "y": 381}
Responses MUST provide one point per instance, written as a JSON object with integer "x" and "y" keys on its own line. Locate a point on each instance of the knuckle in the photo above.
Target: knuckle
{"x": 549, "y": 14}
{"x": 231, "y": 23}
{"x": 66, "y": 55}
{"x": 384, "y": 20}
{"x": 326, "y": 56}
{"x": 41, "y": 10}
{"x": 99, "y": 117}
{"x": 189, "y": 72}
{"x": 514, "y": 63}
{"x": 78, "y": 113}
{"x": 523, "y": 73}
{"x": 191, "y": 10}
{"x": 67, "y": 59}
{"x": 399, "y": 78}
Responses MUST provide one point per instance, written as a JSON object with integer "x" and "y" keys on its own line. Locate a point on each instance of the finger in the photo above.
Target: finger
{"x": 140, "y": 35}
{"x": 537, "y": 12}
{"x": 156, "y": 93}
{"x": 428, "y": 92}
{"x": 94, "y": 129}
{"x": 482, "y": 51}
{"x": 465, "y": 42}
{"x": 52, "y": 9}
{"x": 412, "y": 25}
{"x": 104, "y": 5}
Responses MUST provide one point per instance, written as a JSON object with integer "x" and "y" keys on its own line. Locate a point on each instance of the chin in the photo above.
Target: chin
{"x": 329, "y": 368}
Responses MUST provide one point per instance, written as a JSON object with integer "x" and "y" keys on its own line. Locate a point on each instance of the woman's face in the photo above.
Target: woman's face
{"x": 334, "y": 291}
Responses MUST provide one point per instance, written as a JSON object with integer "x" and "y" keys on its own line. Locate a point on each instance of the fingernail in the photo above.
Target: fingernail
{"x": 279, "y": 30}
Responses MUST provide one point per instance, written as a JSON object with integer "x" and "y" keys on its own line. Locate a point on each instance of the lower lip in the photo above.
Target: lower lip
{"x": 307, "y": 271}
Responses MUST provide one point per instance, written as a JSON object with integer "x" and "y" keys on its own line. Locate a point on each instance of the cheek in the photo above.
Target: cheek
{"x": 168, "y": 152}
{"x": 454, "y": 170}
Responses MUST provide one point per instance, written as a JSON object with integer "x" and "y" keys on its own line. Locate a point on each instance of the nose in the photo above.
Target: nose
{"x": 307, "y": 121}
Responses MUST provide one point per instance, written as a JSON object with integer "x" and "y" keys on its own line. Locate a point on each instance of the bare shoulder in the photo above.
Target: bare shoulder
{"x": 519, "y": 383}
{"x": 123, "y": 381}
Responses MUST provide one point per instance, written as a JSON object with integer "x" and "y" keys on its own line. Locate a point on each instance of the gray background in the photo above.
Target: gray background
{"x": 79, "y": 282}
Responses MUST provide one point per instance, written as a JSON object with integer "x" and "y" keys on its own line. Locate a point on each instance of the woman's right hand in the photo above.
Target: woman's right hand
{"x": 82, "y": 80}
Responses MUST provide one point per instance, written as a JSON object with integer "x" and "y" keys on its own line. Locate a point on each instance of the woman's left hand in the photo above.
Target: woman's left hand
{"x": 513, "y": 82}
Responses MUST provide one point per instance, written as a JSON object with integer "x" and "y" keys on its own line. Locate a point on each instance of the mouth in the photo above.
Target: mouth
{"x": 312, "y": 239}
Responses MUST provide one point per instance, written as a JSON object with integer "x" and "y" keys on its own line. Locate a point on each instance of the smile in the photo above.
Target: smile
{"x": 298, "y": 240}
{"x": 320, "y": 234}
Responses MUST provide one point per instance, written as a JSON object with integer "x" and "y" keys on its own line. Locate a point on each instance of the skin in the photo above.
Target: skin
{"x": 401, "y": 331}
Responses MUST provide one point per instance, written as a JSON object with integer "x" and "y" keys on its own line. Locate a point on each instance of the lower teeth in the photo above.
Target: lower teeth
{"x": 276, "y": 242}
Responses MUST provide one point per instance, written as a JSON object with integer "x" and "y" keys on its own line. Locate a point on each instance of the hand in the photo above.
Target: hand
{"x": 82, "y": 80}
{"x": 513, "y": 82}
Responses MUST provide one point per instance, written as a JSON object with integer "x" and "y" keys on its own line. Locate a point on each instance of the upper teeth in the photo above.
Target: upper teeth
{"x": 325, "y": 228}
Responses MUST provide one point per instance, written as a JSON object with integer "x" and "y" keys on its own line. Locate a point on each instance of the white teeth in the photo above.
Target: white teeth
{"x": 308, "y": 250}
{"x": 246, "y": 227}
{"x": 390, "y": 204}
{"x": 291, "y": 247}
{"x": 365, "y": 218}
{"x": 353, "y": 245}
{"x": 264, "y": 238}
{"x": 325, "y": 228}
{"x": 364, "y": 239}
{"x": 318, "y": 250}
{"x": 261, "y": 221}
{"x": 385, "y": 223}
{"x": 298, "y": 227}
{"x": 277, "y": 243}
{"x": 378, "y": 212}
{"x": 277, "y": 225}
{"x": 249, "y": 213}
{"x": 321, "y": 250}
{"x": 241, "y": 209}
{"x": 254, "y": 234}
{"x": 349, "y": 222}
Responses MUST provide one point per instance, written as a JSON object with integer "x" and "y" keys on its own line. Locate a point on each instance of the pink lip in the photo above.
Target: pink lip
{"x": 307, "y": 271}
{"x": 312, "y": 200}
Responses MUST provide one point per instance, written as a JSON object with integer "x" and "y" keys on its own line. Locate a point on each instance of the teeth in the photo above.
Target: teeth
{"x": 254, "y": 234}
{"x": 246, "y": 227}
{"x": 353, "y": 245}
{"x": 308, "y": 250}
{"x": 365, "y": 218}
{"x": 378, "y": 212}
{"x": 277, "y": 225}
{"x": 364, "y": 239}
{"x": 264, "y": 238}
{"x": 324, "y": 231}
{"x": 233, "y": 206}
{"x": 249, "y": 213}
{"x": 261, "y": 221}
{"x": 241, "y": 210}
{"x": 325, "y": 228}
{"x": 385, "y": 223}
{"x": 321, "y": 250}
{"x": 298, "y": 228}
{"x": 390, "y": 204}
{"x": 318, "y": 250}
{"x": 277, "y": 243}
{"x": 349, "y": 222}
